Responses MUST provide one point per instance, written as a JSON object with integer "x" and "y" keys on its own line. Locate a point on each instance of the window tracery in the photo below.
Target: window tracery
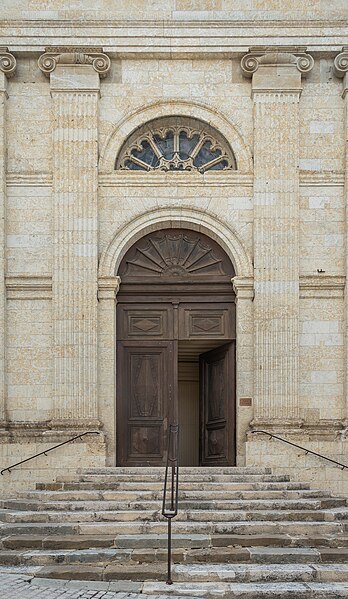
{"x": 176, "y": 144}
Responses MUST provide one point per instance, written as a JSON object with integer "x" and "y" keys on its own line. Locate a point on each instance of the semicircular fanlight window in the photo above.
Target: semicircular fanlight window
{"x": 176, "y": 144}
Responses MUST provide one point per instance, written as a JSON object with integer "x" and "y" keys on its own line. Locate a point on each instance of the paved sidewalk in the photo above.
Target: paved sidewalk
{"x": 16, "y": 584}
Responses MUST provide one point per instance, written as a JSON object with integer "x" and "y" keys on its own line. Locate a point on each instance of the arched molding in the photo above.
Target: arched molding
{"x": 165, "y": 218}
{"x": 129, "y": 123}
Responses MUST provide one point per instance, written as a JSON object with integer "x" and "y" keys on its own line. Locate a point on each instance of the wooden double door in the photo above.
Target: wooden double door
{"x": 153, "y": 335}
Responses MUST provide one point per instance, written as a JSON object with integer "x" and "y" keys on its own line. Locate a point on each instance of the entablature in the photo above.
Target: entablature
{"x": 177, "y": 38}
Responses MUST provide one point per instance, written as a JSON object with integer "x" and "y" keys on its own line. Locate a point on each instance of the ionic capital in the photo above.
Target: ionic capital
{"x": 341, "y": 63}
{"x": 72, "y": 57}
{"x": 8, "y": 62}
{"x": 278, "y": 56}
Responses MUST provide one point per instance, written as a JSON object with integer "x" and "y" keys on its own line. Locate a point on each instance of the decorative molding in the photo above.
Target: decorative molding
{"x": 179, "y": 217}
{"x": 179, "y": 179}
{"x": 22, "y": 287}
{"x": 277, "y": 56}
{"x": 49, "y": 431}
{"x": 341, "y": 63}
{"x": 180, "y": 254}
{"x": 323, "y": 430}
{"x": 321, "y": 179}
{"x": 177, "y": 24}
{"x": 40, "y": 287}
{"x": 273, "y": 425}
{"x": 29, "y": 179}
{"x": 176, "y": 178}
{"x": 243, "y": 287}
{"x": 220, "y": 37}
{"x": 8, "y": 62}
{"x": 108, "y": 287}
{"x": 322, "y": 286}
{"x": 72, "y": 56}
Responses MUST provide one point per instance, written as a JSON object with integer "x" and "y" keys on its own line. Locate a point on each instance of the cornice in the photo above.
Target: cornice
{"x": 175, "y": 23}
{"x": 243, "y": 287}
{"x": 221, "y": 38}
{"x": 22, "y": 287}
{"x": 108, "y": 287}
{"x": 134, "y": 179}
{"x": 176, "y": 179}
{"x": 15, "y": 179}
{"x": 322, "y": 286}
{"x": 321, "y": 179}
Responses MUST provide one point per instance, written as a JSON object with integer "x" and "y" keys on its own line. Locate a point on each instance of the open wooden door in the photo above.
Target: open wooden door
{"x": 146, "y": 392}
{"x": 217, "y": 399}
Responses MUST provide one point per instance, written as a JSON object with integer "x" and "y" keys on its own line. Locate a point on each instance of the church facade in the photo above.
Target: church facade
{"x": 173, "y": 236}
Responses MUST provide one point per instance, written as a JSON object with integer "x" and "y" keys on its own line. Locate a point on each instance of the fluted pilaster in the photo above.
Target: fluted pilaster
{"x": 276, "y": 88}
{"x": 341, "y": 71}
{"x": 75, "y": 92}
{"x": 7, "y": 69}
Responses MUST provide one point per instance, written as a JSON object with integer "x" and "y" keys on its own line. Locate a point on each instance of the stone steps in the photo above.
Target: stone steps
{"x": 242, "y": 533}
{"x": 143, "y": 528}
{"x": 236, "y": 573}
{"x": 185, "y": 486}
{"x": 249, "y": 590}
{"x": 185, "y": 504}
{"x": 158, "y": 471}
{"x": 76, "y": 541}
{"x": 107, "y": 556}
{"x": 141, "y": 481}
{"x": 197, "y": 496}
{"x": 197, "y": 515}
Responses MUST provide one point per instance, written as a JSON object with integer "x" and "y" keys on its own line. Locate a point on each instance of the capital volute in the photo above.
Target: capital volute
{"x": 74, "y": 56}
{"x": 278, "y": 56}
{"x": 8, "y": 62}
{"x": 341, "y": 63}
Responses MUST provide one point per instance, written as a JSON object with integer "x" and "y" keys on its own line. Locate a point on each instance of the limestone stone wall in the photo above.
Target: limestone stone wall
{"x": 271, "y": 77}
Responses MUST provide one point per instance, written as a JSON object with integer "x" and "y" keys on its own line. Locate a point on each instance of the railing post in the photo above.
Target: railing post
{"x": 172, "y": 462}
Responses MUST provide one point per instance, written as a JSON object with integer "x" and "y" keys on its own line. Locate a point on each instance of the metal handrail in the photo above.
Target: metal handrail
{"x": 9, "y": 468}
{"x": 319, "y": 455}
{"x": 171, "y": 512}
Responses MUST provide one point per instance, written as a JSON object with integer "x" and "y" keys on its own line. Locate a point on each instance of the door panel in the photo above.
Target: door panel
{"x": 217, "y": 397}
{"x": 201, "y": 321}
{"x": 146, "y": 387}
{"x": 144, "y": 321}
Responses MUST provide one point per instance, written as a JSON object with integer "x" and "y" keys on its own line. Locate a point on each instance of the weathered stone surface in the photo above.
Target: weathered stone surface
{"x": 249, "y": 546}
{"x": 68, "y": 216}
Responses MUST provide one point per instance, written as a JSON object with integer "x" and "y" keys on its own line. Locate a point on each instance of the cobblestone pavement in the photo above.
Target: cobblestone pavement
{"x": 19, "y": 585}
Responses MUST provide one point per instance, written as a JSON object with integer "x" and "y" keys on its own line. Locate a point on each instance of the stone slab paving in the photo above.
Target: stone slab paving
{"x": 15, "y": 583}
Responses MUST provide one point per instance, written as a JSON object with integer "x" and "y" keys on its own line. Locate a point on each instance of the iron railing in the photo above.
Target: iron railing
{"x": 9, "y": 468}
{"x": 319, "y": 455}
{"x": 171, "y": 489}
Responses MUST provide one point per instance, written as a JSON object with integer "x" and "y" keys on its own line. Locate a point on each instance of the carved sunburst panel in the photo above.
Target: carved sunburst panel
{"x": 175, "y": 253}
{"x": 176, "y": 144}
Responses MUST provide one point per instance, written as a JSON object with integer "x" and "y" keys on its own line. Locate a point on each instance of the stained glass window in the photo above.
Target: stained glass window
{"x": 176, "y": 144}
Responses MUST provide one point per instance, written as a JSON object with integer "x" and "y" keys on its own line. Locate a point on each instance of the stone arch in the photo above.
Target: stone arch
{"x": 197, "y": 220}
{"x": 197, "y": 110}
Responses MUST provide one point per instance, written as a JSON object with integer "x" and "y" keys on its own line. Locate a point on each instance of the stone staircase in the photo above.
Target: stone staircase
{"x": 240, "y": 532}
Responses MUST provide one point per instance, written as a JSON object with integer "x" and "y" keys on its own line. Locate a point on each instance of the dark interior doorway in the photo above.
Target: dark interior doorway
{"x": 176, "y": 350}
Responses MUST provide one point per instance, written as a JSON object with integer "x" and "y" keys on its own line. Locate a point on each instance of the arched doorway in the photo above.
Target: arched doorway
{"x": 176, "y": 350}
